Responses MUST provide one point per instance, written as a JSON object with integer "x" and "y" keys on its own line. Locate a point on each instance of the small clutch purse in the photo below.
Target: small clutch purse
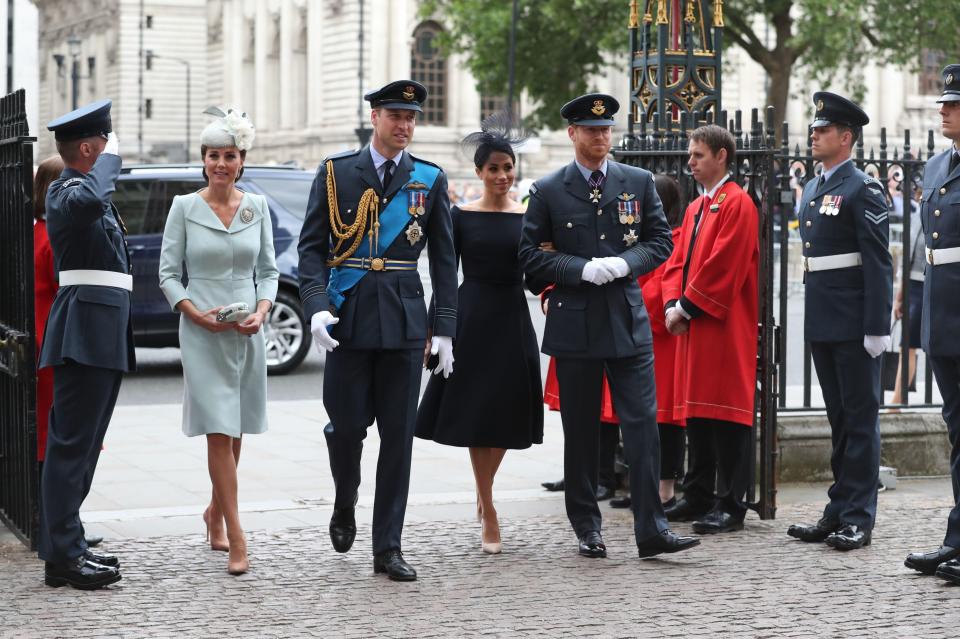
{"x": 236, "y": 312}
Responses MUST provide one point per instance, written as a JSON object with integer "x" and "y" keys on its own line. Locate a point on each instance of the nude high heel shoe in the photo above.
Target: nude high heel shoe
{"x": 490, "y": 547}
{"x": 238, "y": 563}
{"x": 215, "y": 544}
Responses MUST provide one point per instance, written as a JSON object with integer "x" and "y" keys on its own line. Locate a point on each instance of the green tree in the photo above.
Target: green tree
{"x": 561, "y": 43}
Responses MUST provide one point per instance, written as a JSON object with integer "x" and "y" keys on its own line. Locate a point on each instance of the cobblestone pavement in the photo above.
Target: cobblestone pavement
{"x": 757, "y": 583}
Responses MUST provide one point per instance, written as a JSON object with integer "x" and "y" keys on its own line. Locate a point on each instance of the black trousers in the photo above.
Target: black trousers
{"x": 83, "y": 401}
{"x": 360, "y": 387}
{"x": 719, "y": 473}
{"x": 850, "y": 380}
{"x": 609, "y": 438}
{"x": 634, "y": 399}
{"x": 673, "y": 448}
{"x": 946, "y": 370}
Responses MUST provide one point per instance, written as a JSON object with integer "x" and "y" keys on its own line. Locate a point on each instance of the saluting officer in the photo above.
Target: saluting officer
{"x": 607, "y": 227}
{"x": 369, "y": 216}
{"x": 88, "y": 339}
{"x": 849, "y": 280}
{"x": 941, "y": 308}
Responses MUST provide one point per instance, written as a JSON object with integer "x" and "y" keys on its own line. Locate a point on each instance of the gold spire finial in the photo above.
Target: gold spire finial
{"x": 634, "y": 15}
{"x": 647, "y": 17}
{"x": 662, "y": 12}
{"x": 718, "y": 13}
{"x": 690, "y": 18}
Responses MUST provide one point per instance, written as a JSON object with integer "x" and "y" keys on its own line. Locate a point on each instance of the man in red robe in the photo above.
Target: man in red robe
{"x": 710, "y": 288}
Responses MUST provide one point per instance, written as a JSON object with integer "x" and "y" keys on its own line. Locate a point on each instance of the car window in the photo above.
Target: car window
{"x": 290, "y": 193}
{"x": 162, "y": 198}
{"x": 131, "y": 198}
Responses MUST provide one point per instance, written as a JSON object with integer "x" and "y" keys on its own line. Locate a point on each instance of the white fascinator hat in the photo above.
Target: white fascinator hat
{"x": 231, "y": 127}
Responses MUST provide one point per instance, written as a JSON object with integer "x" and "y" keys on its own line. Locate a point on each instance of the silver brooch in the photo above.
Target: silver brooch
{"x": 246, "y": 215}
{"x": 414, "y": 232}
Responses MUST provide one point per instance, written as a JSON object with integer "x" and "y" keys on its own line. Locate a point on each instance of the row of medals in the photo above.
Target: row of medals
{"x": 416, "y": 200}
{"x": 830, "y": 205}
{"x": 627, "y": 211}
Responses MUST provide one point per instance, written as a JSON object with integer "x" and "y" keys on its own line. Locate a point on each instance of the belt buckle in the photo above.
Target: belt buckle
{"x": 806, "y": 264}
{"x": 930, "y": 257}
{"x": 377, "y": 264}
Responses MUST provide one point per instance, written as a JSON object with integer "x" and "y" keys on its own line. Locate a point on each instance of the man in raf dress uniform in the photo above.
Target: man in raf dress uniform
{"x": 88, "y": 340}
{"x": 710, "y": 288}
{"x": 849, "y": 282}
{"x": 607, "y": 227}
{"x": 369, "y": 216}
{"x": 940, "y": 214}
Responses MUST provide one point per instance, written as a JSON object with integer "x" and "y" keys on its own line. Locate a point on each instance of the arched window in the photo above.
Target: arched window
{"x": 429, "y": 67}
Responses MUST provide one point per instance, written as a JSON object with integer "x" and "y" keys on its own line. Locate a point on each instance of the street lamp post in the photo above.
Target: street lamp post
{"x": 73, "y": 48}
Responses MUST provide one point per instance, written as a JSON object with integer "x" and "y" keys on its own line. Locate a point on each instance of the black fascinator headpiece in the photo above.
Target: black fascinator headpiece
{"x": 497, "y": 134}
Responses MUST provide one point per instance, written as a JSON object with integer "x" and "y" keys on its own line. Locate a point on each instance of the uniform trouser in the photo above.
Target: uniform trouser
{"x": 83, "y": 401}
{"x": 719, "y": 473}
{"x": 609, "y": 438}
{"x": 947, "y": 372}
{"x": 635, "y": 402}
{"x": 850, "y": 381}
{"x": 360, "y": 386}
{"x": 673, "y": 449}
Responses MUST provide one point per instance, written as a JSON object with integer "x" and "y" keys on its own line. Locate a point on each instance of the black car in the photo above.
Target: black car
{"x": 143, "y": 196}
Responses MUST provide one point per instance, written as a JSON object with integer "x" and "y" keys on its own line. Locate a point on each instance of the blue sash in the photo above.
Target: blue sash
{"x": 393, "y": 219}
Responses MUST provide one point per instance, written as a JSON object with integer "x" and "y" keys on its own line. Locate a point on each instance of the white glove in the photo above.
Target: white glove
{"x": 318, "y": 326}
{"x": 442, "y": 345}
{"x": 597, "y": 272}
{"x": 618, "y": 265}
{"x": 876, "y": 344}
{"x": 113, "y": 144}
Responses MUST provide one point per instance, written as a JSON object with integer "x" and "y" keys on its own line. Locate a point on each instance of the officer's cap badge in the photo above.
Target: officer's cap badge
{"x": 948, "y": 79}
{"x": 598, "y": 108}
{"x": 819, "y": 105}
{"x": 408, "y": 92}
{"x": 246, "y": 215}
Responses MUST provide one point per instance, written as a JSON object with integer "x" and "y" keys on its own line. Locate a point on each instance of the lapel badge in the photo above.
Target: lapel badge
{"x": 714, "y": 207}
{"x": 408, "y": 92}
{"x": 630, "y": 238}
{"x": 415, "y": 203}
{"x": 722, "y": 197}
{"x": 598, "y": 108}
{"x": 246, "y": 215}
{"x": 414, "y": 233}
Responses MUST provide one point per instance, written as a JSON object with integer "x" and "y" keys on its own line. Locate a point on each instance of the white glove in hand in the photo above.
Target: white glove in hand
{"x": 113, "y": 144}
{"x": 318, "y": 326}
{"x": 442, "y": 345}
{"x": 597, "y": 272}
{"x": 876, "y": 344}
{"x": 617, "y": 265}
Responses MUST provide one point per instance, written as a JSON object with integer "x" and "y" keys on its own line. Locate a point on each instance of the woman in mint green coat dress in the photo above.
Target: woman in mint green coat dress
{"x": 225, "y": 238}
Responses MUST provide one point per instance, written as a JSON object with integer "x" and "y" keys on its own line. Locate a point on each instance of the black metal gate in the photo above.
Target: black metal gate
{"x": 18, "y": 428}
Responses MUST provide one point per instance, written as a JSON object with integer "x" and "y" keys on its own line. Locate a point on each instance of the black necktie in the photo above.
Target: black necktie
{"x": 820, "y": 182}
{"x": 387, "y": 174}
{"x": 954, "y": 161}
{"x": 596, "y": 179}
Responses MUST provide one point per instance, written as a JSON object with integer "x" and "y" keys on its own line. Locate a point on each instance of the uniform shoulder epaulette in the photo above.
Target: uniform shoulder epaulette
{"x": 871, "y": 182}
{"x": 72, "y": 182}
{"x": 533, "y": 189}
{"x": 413, "y": 157}
{"x": 341, "y": 154}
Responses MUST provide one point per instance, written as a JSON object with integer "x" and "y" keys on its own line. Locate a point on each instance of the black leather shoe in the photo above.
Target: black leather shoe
{"x": 81, "y": 573}
{"x": 343, "y": 529}
{"x": 392, "y": 563}
{"x": 605, "y": 492}
{"x": 949, "y": 570}
{"x": 816, "y": 533}
{"x": 621, "y": 502}
{"x": 683, "y": 510}
{"x": 553, "y": 486}
{"x": 849, "y": 537}
{"x": 591, "y": 545}
{"x": 927, "y": 562}
{"x": 666, "y": 542}
{"x": 717, "y": 521}
{"x": 103, "y": 560}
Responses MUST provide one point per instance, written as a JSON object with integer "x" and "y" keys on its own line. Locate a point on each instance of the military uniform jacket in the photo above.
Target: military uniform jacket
{"x": 586, "y": 320}
{"x": 89, "y": 325}
{"x": 384, "y": 310}
{"x": 940, "y": 214}
{"x": 846, "y": 304}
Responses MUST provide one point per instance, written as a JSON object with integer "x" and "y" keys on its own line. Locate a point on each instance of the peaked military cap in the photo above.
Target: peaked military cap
{"x": 402, "y": 94}
{"x": 836, "y": 109}
{"x": 593, "y": 109}
{"x": 86, "y": 122}
{"x": 951, "y": 84}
